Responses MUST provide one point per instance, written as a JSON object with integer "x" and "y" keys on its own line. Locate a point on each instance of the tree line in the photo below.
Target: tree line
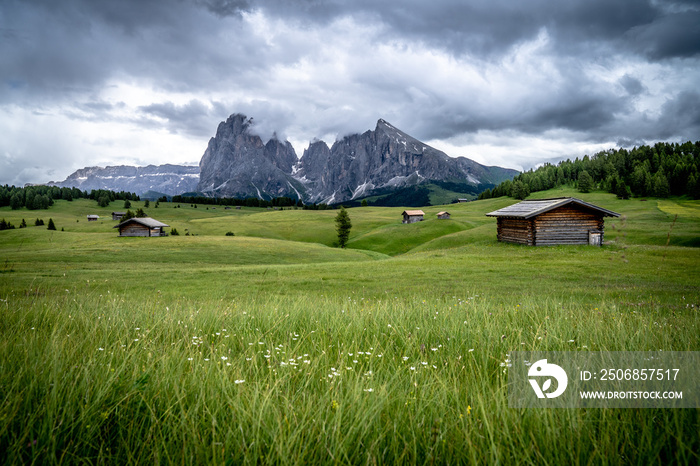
{"x": 233, "y": 201}
{"x": 661, "y": 170}
{"x": 43, "y": 197}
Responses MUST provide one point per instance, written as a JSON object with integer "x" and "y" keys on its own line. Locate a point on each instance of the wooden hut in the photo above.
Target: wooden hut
{"x": 145, "y": 226}
{"x": 118, "y": 215}
{"x": 543, "y": 222}
{"x": 93, "y": 218}
{"x": 443, "y": 215}
{"x": 412, "y": 216}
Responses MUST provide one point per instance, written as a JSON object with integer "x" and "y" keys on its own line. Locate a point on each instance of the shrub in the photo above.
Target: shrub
{"x": 174, "y": 232}
{"x": 230, "y": 233}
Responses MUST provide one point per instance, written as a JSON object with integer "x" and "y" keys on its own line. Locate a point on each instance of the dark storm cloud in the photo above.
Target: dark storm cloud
{"x": 675, "y": 35}
{"x": 485, "y": 27}
{"x": 58, "y": 48}
{"x": 593, "y": 70}
{"x": 632, "y": 85}
{"x": 224, "y": 8}
{"x": 677, "y": 114}
{"x": 194, "y": 118}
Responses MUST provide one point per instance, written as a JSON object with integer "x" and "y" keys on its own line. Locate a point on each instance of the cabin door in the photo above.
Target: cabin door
{"x": 595, "y": 238}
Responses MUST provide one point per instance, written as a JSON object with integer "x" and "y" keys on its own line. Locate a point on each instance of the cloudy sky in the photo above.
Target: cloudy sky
{"x": 510, "y": 83}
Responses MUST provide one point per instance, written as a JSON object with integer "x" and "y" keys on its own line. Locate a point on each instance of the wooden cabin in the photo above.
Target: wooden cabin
{"x": 461, "y": 199}
{"x": 93, "y": 218}
{"x": 118, "y": 215}
{"x": 412, "y": 216}
{"x": 145, "y": 226}
{"x": 443, "y": 215}
{"x": 546, "y": 222}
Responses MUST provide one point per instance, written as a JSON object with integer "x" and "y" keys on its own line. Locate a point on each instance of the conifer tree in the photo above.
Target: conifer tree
{"x": 343, "y": 226}
{"x": 585, "y": 182}
{"x": 51, "y": 225}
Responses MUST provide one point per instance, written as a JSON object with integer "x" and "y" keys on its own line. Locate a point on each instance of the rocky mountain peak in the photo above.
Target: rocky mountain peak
{"x": 237, "y": 163}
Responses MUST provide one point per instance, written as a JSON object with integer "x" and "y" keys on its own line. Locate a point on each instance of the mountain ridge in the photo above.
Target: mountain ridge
{"x": 237, "y": 163}
{"x": 168, "y": 179}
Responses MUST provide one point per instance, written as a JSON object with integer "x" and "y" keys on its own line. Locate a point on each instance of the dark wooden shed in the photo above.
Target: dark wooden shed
{"x": 546, "y": 222}
{"x": 145, "y": 226}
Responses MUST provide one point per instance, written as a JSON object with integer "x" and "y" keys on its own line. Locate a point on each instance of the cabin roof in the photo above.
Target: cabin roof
{"x": 443, "y": 213}
{"x": 534, "y": 207}
{"x": 146, "y": 221}
{"x": 413, "y": 212}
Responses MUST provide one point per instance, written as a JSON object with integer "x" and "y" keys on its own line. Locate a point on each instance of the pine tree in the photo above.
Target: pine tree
{"x": 127, "y": 215}
{"x": 585, "y": 182}
{"x": 51, "y": 225}
{"x": 127, "y": 204}
{"x": 343, "y": 226}
{"x": 661, "y": 186}
{"x": 622, "y": 190}
{"x": 520, "y": 190}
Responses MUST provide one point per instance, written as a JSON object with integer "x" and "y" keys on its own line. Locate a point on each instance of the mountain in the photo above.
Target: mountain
{"x": 167, "y": 179}
{"x": 384, "y": 159}
{"x": 384, "y": 162}
{"x": 238, "y": 164}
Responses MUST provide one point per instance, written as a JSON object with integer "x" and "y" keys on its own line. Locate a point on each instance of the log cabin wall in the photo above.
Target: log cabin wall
{"x": 134, "y": 229}
{"x": 515, "y": 230}
{"x": 565, "y": 225}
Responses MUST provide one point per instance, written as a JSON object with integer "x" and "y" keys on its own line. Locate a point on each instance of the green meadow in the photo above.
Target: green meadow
{"x": 274, "y": 346}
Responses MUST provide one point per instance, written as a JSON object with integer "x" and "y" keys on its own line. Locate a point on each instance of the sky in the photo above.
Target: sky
{"x": 508, "y": 83}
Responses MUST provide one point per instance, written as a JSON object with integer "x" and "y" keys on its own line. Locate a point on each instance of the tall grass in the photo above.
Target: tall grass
{"x": 257, "y": 349}
{"x": 95, "y": 378}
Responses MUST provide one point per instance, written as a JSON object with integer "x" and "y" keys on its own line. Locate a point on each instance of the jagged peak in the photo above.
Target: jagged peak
{"x": 385, "y": 124}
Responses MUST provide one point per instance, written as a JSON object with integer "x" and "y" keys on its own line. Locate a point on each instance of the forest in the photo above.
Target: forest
{"x": 661, "y": 170}
{"x": 43, "y": 197}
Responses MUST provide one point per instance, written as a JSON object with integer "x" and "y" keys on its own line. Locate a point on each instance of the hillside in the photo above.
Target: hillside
{"x": 379, "y": 229}
{"x": 124, "y": 350}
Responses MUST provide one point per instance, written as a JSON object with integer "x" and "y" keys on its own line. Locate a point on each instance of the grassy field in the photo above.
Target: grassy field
{"x": 273, "y": 346}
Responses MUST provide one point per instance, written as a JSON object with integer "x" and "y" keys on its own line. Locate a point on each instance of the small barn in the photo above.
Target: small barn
{"x": 546, "y": 222}
{"x": 443, "y": 215}
{"x": 145, "y": 226}
{"x": 461, "y": 199}
{"x": 118, "y": 215}
{"x": 412, "y": 216}
{"x": 93, "y": 218}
